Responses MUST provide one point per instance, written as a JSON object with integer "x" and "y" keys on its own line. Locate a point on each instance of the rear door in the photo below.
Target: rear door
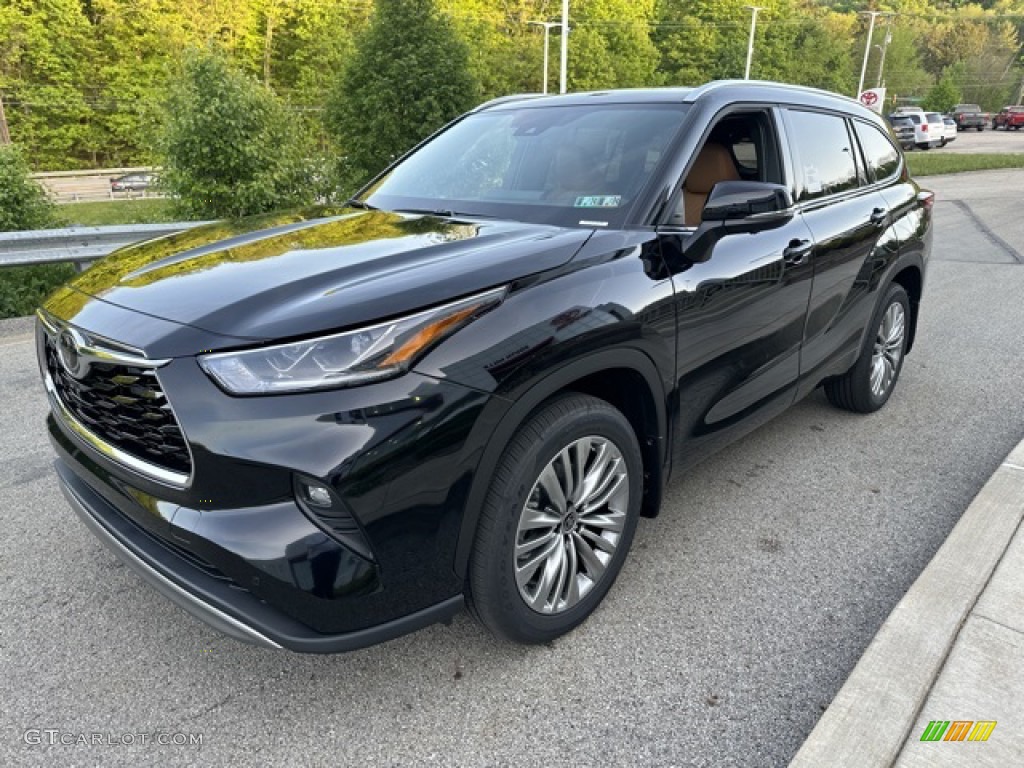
{"x": 850, "y": 223}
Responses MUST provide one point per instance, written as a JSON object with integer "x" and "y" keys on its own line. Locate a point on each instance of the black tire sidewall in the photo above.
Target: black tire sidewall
{"x": 895, "y": 293}
{"x": 492, "y": 584}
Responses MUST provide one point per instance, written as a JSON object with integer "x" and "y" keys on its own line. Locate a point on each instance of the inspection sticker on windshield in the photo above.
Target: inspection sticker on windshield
{"x": 598, "y": 201}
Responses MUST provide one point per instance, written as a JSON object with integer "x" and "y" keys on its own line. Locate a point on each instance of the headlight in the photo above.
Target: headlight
{"x": 345, "y": 359}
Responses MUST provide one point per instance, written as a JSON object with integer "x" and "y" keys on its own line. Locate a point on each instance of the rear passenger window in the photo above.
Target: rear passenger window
{"x": 824, "y": 155}
{"x": 882, "y": 157}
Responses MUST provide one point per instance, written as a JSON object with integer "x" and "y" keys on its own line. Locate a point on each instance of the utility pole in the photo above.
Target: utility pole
{"x": 565, "y": 47}
{"x": 547, "y": 32}
{"x": 750, "y": 43}
{"x": 867, "y": 50}
{"x": 5, "y": 135}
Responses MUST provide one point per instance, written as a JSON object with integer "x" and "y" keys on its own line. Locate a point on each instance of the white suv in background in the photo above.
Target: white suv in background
{"x": 950, "y": 132}
{"x": 929, "y": 130}
{"x": 937, "y": 128}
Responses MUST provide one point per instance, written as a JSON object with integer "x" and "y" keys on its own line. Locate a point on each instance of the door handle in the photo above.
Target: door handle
{"x": 879, "y": 217}
{"x": 797, "y": 252}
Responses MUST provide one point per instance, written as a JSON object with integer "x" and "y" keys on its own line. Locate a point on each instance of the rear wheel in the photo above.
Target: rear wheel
{"x": 558, "y": 520}
{"x": 866, "y": 387}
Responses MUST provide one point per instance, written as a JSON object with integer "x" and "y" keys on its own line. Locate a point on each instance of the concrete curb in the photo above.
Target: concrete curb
{"x": 871, "y": 717}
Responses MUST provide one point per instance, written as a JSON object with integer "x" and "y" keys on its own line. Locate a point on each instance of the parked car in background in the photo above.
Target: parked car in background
{"x": 937, "y": 127}
{"x": 969, "y": 116}
{"x": 903, "y": 129}
{"x": 926, "y": 134}
{"x": 950, "y": 130}
{"x": 1009, "y": 117}
{"x": 321, "y": 429}
{"x": 132, "y": 182}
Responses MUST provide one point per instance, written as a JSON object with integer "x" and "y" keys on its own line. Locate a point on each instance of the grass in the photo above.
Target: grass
{"x": 151, "y": 210}
{"x": 935, "y": 162}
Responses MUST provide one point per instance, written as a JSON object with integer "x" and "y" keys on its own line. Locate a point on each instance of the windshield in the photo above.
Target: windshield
{"x": 577, "y": 166}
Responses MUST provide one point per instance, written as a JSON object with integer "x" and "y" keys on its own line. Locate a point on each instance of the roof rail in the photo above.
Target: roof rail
{"x": 505, "y": 99}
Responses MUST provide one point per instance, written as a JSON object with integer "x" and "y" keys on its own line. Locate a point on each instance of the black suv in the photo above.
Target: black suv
{"x": 322, "y": 429}
{"x": 903, "y": 129}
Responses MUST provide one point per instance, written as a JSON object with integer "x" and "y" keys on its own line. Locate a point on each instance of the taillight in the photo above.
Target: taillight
{"x": 926, "y": 199}
{"x": 924, "y": 127}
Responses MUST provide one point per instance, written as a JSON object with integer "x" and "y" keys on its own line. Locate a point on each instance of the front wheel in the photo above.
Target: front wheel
{"x": 866, "y": 387}
{"x": 558, "y": 520}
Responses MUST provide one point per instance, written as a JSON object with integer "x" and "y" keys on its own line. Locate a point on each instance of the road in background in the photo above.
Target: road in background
{"x": 739, "y": 614}
{"x": 85, "y": 186}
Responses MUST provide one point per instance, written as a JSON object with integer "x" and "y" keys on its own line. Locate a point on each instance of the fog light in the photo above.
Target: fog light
{"x": 329, "y": 512}
{"x": 317, "y": 495}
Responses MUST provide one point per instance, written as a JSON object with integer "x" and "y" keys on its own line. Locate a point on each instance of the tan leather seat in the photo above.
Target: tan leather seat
{"x": 714, "y": 164}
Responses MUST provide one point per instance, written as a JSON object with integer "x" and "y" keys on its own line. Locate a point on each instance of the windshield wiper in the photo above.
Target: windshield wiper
{"x": 447, "y": 213}
{"x": 354, "y": 203}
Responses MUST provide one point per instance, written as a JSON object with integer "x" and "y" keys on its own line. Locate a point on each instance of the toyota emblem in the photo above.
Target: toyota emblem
{"x": 69, "y": 352}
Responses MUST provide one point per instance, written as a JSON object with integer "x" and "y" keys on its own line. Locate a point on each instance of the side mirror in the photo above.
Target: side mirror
{"x": 748, "y": 205}
{"x": 736, "y": 207}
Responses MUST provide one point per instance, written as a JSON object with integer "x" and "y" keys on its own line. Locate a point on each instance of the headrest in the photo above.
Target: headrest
{"x": 714, "y": 164}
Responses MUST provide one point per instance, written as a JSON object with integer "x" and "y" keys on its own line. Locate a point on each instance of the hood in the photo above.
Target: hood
{"x": 294, "y": 274}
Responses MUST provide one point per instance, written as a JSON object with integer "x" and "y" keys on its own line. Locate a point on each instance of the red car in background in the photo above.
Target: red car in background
{"x": 1009, "y": 117}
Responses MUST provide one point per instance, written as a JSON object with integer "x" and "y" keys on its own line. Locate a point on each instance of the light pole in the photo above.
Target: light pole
{"x": 565, "y": 47}
{"x": 750, "y": 44}
{"x": 885, "y": 45}
{"x": 547, "y": 32}
{"x": 867, "y": 50}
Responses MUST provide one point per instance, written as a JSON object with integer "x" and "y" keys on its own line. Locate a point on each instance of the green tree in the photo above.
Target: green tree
{"x": 610, "y": 45}
{"x": 945, "y": 94}
{"x": 408, "y": 77}
{"x": 23, "y": 204}
{"x": 45, "y": 53}
{"x": 229, "y": 147}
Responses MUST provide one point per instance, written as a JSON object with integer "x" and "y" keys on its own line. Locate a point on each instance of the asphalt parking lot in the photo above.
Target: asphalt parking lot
{"x": 738, "y": 616}
{"x": 973, "y": 142}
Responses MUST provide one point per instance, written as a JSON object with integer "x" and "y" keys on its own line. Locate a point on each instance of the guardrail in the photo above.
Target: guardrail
{"x": 79, "y": 245}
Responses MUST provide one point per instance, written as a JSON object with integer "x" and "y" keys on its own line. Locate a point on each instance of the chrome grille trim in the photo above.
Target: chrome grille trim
{"x": 166, "y": 476}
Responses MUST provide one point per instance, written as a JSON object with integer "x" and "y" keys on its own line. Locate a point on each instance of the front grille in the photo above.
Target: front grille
{"x": 124, "y": 406}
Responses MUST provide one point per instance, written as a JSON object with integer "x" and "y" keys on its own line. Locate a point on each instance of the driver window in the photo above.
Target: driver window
{"x": 740, "y": 147}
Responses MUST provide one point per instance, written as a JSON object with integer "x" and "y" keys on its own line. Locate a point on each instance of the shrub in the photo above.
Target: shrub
{"x": 229, "y": 146}
{"x": 23, "y": 203}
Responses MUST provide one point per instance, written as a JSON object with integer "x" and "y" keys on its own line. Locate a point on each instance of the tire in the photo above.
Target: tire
{"x": 981, "y": 128}
{"x": 866, "y": 387}
{"x": 529, "y": 542}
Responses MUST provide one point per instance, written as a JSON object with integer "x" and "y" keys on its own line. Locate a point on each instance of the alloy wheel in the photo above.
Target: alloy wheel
{"x": 885, "y": 360}
{"x": 571, "y": 524}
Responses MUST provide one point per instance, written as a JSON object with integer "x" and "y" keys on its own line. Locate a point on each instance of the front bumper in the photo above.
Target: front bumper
{"x": 236, "y": 613}
{"x": 217, "y": 600}
{"x": 236, "y": 545}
